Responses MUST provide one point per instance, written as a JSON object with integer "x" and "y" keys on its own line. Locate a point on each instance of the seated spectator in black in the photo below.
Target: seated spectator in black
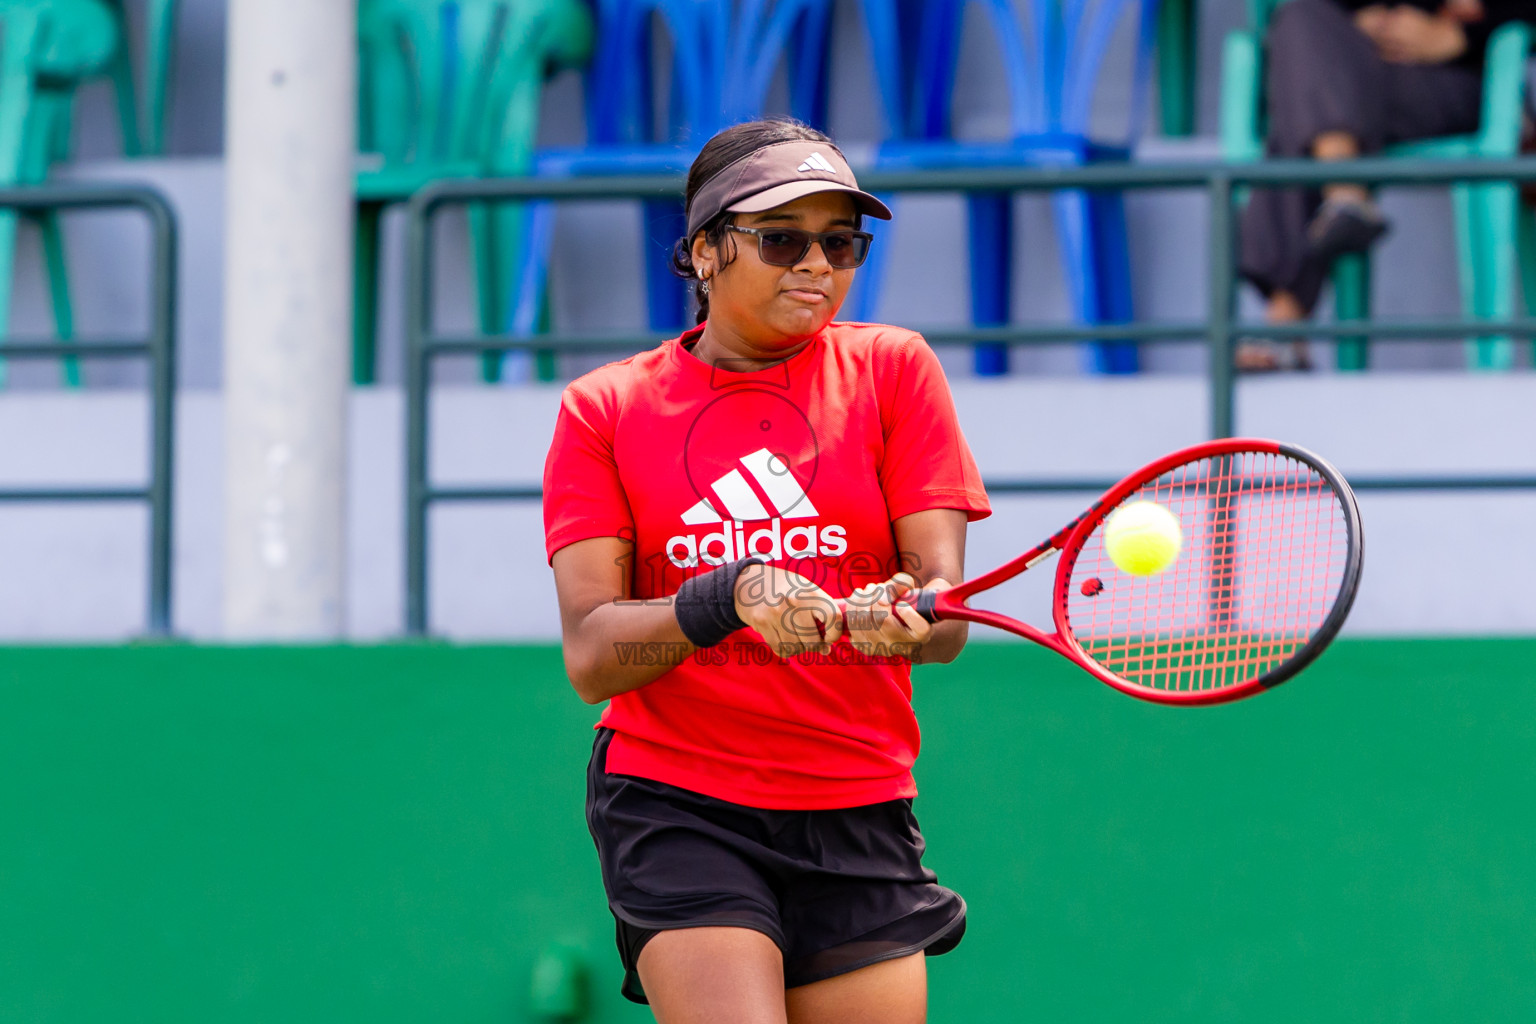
{"x": 1344, "y": 79}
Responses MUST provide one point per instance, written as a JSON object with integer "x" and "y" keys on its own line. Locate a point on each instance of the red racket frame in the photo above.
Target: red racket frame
{"x": 1069, "y": 540}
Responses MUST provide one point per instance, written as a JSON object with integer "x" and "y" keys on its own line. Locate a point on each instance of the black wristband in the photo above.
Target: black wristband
{"x": 705, "y": 605}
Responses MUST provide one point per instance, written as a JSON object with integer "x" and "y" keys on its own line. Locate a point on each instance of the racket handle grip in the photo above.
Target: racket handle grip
{"x": 921, "y": 601}
{"x": 925, "y": 603}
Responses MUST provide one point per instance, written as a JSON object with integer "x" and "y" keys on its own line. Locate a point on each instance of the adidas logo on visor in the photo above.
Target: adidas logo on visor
{"x": 816, "y": 162}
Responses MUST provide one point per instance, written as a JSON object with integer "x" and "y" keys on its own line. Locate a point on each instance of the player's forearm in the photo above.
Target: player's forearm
{"x": 621, "y": 646}
{"x": 945, "y": 643}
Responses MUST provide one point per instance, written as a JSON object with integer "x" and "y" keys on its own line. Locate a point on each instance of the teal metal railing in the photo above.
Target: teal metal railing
{"x": 424, "y": 346}
{"x": 158, "y": 347}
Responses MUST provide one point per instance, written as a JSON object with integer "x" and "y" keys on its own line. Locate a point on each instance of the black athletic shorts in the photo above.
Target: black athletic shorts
{"x": 836, "y": 890}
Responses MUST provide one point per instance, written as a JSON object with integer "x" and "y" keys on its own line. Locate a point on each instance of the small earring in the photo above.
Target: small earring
{"x": 704, "y": 285}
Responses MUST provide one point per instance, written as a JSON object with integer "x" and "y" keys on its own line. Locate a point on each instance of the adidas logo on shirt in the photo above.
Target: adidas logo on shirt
{"x": 816, "y": 162}
{"x": 776, "y": 488}
{"x": 736, "y": 495}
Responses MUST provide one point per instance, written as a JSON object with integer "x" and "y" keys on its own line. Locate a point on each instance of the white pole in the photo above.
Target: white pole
{"x": 291, "y": 114}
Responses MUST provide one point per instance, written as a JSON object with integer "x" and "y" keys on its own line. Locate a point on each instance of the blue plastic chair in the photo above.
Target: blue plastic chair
{"x": 1051, "y": 80}
{"x": 725, "y": 55}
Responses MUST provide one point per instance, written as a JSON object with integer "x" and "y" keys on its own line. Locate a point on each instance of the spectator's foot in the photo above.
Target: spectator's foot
{"x": 1261, "y": 355}
{"x": 1342, "y": 226}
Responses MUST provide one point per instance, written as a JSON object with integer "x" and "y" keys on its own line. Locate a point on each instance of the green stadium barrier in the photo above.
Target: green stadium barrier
{"x": 157, "y": 347}
{"x": 396, "y": 834}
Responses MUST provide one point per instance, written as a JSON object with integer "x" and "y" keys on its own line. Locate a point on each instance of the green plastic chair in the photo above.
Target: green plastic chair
{"x": 1488, "y": 219}
{"x": 47, "y": 47}
{"x": 144, "y": 129}
{"x": 1177, "y": 66}
{"x": 451, "y": 90}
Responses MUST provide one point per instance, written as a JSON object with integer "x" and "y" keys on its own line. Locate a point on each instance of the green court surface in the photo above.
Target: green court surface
{"x": 393, "y": 833}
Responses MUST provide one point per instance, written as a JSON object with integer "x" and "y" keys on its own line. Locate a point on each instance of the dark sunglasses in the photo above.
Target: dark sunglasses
{"x": 785, "y": 247}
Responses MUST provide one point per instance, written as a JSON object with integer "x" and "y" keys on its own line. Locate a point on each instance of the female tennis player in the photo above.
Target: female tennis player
{"x": 750, "y": 790}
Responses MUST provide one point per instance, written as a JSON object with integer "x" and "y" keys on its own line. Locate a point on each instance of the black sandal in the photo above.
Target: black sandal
{"x": 1344, "y": 226}
{"x": 1264, "y": 355}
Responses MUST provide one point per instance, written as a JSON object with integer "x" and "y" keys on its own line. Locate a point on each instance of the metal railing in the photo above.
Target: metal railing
{"x": 158, "y": 347}
{"x": 1220, "y": 181}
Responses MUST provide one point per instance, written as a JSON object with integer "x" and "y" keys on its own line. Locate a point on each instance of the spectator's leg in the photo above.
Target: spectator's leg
{"x": 1340, "y": 146}
{"x": 1417, "y": 101}
{"x": 1427, "y": 100}
{"x": 1325, "y": 90}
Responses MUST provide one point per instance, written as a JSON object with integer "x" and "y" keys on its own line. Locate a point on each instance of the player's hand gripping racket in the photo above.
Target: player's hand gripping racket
{"x": 1268, "y": 568}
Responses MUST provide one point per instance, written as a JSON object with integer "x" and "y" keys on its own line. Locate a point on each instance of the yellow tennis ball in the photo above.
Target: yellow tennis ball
{"x": 1142, "y": 538}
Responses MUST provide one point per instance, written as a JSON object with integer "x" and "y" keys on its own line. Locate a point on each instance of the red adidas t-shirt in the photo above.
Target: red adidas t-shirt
{"x": 807, "y": 463}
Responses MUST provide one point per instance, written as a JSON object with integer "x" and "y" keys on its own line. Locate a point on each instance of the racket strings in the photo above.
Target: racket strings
{"x": 1265, "y": 546}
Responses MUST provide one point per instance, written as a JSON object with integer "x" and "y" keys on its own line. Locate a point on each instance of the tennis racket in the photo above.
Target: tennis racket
{"x": 1268, "y": 570}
